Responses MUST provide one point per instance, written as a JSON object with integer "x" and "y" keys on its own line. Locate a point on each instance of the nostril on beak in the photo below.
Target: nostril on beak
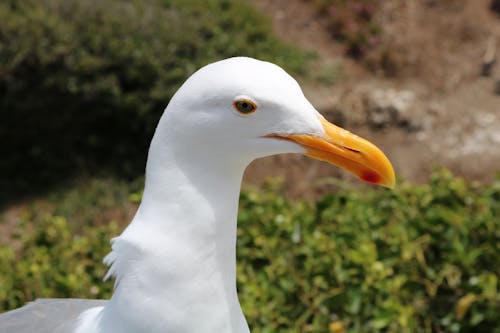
{"x": 351, "y": 149}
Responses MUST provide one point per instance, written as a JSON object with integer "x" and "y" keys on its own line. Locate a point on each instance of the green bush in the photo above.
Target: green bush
{"x": 416, "y": 259}
{"x": 83, "y": 83}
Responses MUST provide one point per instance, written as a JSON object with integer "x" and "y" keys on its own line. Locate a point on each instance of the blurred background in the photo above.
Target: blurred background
{"x": 83, "y": 84}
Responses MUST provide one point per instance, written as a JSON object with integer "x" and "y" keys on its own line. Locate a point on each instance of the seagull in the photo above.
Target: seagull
{"x": 175, "y": 264}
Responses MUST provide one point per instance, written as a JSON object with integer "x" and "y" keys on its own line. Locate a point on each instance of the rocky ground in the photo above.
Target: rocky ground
{"x": 437, "y": 110}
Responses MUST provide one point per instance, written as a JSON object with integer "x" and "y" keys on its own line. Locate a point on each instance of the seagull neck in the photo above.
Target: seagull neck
{"x": 182, "y": 182}
{"x": 185, "y": 230}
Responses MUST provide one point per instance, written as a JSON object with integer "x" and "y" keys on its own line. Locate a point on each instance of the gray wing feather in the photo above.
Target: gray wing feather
{"x": 46, "y": 315}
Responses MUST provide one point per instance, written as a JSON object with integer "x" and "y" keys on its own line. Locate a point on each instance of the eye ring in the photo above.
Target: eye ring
{"x": 244, "y": 106}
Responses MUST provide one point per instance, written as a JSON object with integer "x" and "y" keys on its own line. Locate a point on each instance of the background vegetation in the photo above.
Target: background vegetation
{"x": 352, "y": 23}
{"x": 416, "y": 259}
{"x": 83, "y": 83}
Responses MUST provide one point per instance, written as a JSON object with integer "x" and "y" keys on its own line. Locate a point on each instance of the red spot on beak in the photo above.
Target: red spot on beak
{"x": 370, "y": 177}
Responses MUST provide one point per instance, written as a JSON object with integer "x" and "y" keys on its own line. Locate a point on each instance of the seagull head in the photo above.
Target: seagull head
{"x": 240, "y": 109}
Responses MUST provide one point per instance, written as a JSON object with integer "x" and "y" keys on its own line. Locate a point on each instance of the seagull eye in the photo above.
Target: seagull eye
{"x": 244, "y": 106}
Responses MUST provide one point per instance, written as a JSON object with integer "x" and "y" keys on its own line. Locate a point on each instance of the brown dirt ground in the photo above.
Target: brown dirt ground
{"x": 438, "y": 46}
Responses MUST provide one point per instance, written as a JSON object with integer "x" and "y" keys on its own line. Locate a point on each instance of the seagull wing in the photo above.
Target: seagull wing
{"x": 46, "y": 315}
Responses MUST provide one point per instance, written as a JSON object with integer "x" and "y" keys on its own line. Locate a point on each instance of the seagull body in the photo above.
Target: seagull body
{"x": 175, "y": 264}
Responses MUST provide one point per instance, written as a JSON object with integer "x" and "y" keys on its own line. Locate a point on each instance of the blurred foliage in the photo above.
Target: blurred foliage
{"x": 353, "y": 23}
{"x": 83, "y": 83}
{"x": 357, "y": 25}
{"x": 495, "y": 6}
{"x": 415, "y": 259}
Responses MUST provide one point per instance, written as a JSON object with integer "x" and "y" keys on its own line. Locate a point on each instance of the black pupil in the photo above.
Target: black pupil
{"x": 245, "y": 106}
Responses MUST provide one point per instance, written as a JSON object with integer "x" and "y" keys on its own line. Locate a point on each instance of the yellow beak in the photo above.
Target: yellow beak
{"x": 348, "y": 151}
